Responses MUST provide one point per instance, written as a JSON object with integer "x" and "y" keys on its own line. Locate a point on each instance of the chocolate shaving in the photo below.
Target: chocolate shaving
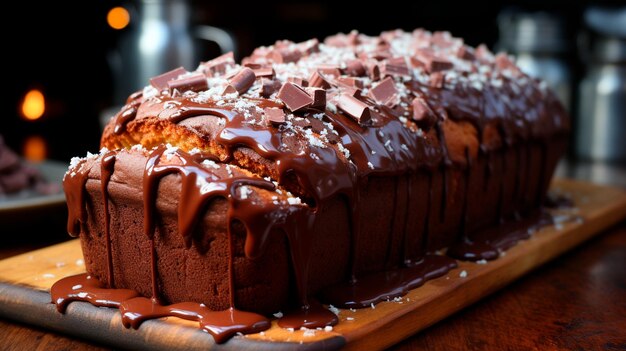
{"x": 319, "y": 97}
{"x": 294, "y": 97}
{"x": 355, "y": 108}
{"x": 385, "y": 93}
{"x": 274, "y": 115}
{"x": 160, "y": 81}
{"x": 195, "y": 82}
{"x": 240, "y": 82}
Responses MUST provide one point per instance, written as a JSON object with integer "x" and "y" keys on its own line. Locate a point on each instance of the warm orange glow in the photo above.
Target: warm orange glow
{"x": 34, "y": 105}
{"x": 118, "y": 18}
{"x": 35, "y": 148}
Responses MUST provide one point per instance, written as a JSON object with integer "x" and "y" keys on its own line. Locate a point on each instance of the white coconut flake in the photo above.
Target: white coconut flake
{"x": 170, "y": 151}
{"x": 343, "y": 150}
{"x": 463, "y": 274}
{"x": 244, "y": 191}
{"x": 294, "y": 201}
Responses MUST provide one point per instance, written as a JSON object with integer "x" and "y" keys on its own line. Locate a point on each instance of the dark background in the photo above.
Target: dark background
{"x": 61, "y": 49}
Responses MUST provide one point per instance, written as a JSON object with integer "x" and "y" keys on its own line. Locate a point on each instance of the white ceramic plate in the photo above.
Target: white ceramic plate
{"x": 53, "y": 172}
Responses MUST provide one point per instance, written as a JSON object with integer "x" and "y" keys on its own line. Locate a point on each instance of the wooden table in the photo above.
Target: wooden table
{"x": 577, "y": 301}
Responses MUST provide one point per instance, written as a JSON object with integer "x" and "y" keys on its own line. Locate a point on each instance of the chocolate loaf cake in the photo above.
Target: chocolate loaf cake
{"x": 312, "y": 170}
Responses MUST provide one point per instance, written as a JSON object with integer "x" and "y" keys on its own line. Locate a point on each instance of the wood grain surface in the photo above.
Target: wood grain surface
{"x": 391, "y": 322}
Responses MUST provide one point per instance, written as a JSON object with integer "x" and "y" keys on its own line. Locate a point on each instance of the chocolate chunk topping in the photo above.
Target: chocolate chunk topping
{"x": 355, "y": 68}
{"x": 504, "y": 62}
{"x": 275, "y": 115}
{"x": 194, "y": 82}
{"x": 373, "y": 70}
{"x": 285, "y": 56}
{"x": 266, "y": 72}
{"x": 269, "y": 87}
{"x": 308, "y": 47}
{"x": 318, "y": 80}
{"x": 431, "y": 61}
{"x": 436, "y": 80}
{"x": 329, "y": 70}
{"x": 240, "y": 82}
{"x": 294, "y": 97}
{"x": 423, "y": 115}
{"x": 397, "y": 67}
{"x": 319, "y": 97}
{"x": 385, "y": 93}
{"x": 298, "y": 81}
{"x": 219, "y": 64}
{"x": 465, "y": 53}
{"x": 351, "y": 82}
{"x": 160, "y": 81}
{"x": 354, "y": 108}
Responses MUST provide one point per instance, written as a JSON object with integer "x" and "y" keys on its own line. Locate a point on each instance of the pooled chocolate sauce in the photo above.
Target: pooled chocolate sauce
{"x": 487, "y": 244}
{"x": 387, "y": 285}
{"x": 314, "y": 315}
{"x": 135, "y": 309}
{"x": 83, "y": 287}
{"x": 221, "y": 324}
{"x": 334, "y": 154}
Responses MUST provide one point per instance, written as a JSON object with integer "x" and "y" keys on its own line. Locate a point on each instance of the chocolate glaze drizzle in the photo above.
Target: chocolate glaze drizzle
{"x": 319, "y": 154}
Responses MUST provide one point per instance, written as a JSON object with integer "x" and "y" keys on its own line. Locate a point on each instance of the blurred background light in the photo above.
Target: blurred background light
{"x": 118, "y": 18}
{"x": 35, "y": 148}
{"x": 33, "y": 105}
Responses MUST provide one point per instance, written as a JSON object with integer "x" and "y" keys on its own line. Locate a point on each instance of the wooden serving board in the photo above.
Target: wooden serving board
{"x": 25, "y": 281}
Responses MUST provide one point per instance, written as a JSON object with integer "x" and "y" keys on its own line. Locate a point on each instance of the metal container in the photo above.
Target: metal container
{"x": 161, "y": 39}
{"x": 601, "y": 124}
{"x": 539, "y": 42}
